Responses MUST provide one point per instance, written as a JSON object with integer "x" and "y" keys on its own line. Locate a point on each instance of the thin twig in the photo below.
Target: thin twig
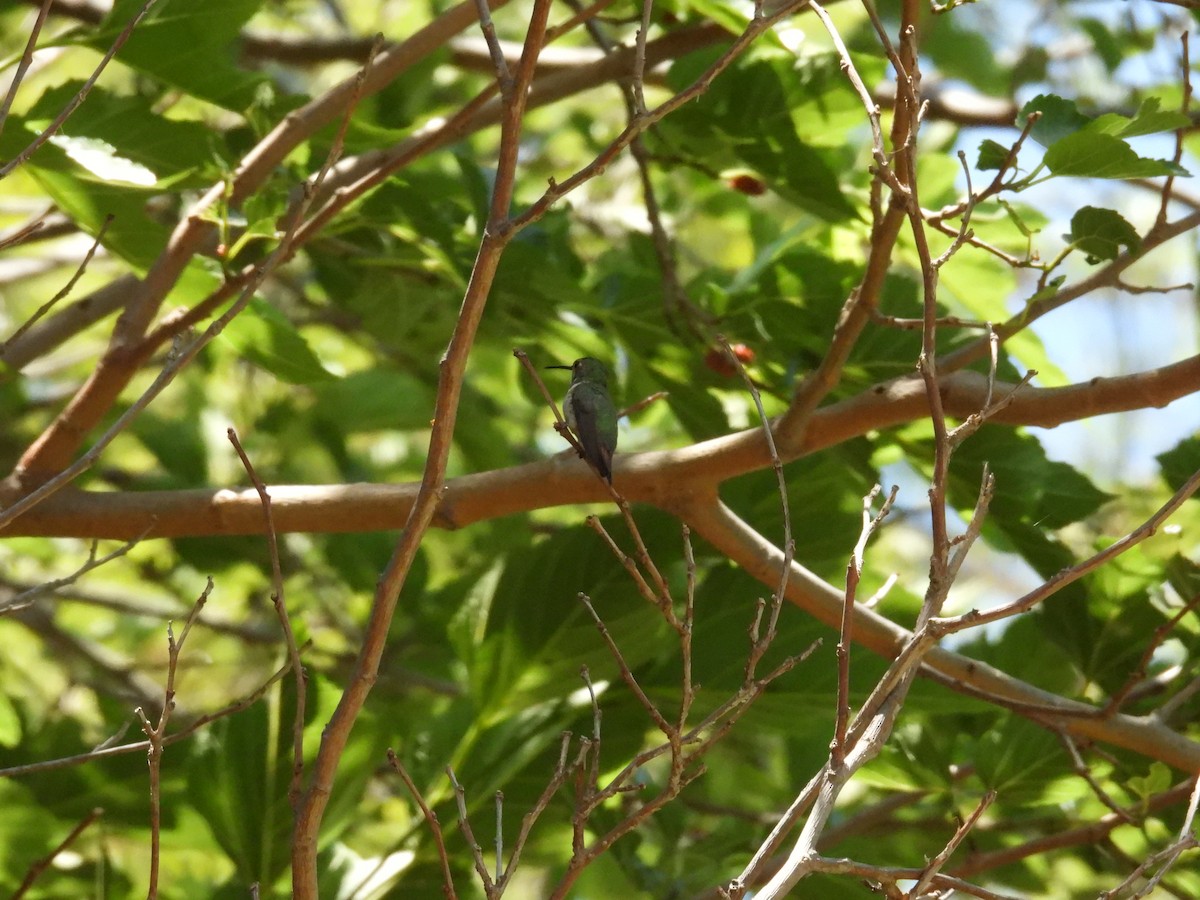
{"x": 789, "y": 544}
{"x": 964, "y": 229}
{"x": 656, "y": 599}
{"x": 155, "y": 734}
{"x": 26, "y": 59}
{"x": 49, "y": 304}
{"x": 933, "y": 869}
{"x": 870, "y": 523}
{"x": 1161, "y": 633}
{"x": 889, "y": 878}
{"x": 626, "y": 673}
{"x": 1073, "y": 573}
{"x": 559, "y": 189}
{"x": 26, "y": 597}
{"x": 1185, "y": 68}
{"x": 431, "y": 820}
{"x": 847, "y": 63}
{"x": 639, "y": 60}
{"x": 1082, "y": 770}
{"x": 464, "y": 823}
{"x": 278, "y": 600}
{"x": 687, "y": 692}
{"x": 450, "y": 382}
{"x": 23, "y": 233}
{"x": 41, "y": 865}
{"x": 964, "y": 542}
{"x": 561, "y": 770}
{"x": 52, "y": 129}
{"x": 503, "y": 77}
{"x": 105, "y": 752}
{"x": 1092, "y": 834}
{"x": 499, "y": 835}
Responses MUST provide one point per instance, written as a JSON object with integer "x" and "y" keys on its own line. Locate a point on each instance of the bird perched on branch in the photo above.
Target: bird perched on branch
{"x": 590, "y": 413}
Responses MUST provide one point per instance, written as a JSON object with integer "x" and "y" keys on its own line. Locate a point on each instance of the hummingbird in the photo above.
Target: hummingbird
{"x": 591, "y": 414}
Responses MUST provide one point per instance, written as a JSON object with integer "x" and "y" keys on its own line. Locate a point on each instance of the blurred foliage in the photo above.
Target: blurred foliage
{"x": 329, "y": 376}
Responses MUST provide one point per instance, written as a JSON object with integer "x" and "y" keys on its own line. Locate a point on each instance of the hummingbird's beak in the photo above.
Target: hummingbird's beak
{"x": 558, "y": 367}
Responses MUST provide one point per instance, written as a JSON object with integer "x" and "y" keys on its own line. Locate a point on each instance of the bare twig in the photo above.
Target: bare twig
{"x": 1072, "y": 573}
{"x": 917, "y": 324}
{"x": 1093, "y": 833}
{"x": 464, "y": 824}
{"x": 120, "y": 750}
{"x": 964, "y": 230}
{"x": 22, "y": 234}
{"x": 1082, "y": 770}
{"x": 1161, "y": 633}
{"x": 889, "y": 877}
{"x": 23, "y": 65}
{"x": 1185, "y": 68}
{"x": 52, "y": 129}
{"x": 860, "y": 87}
{"x": 1164, "y": 859}
{"x": 559, "y": 189}
{"x": 789, "y": 544}
{"x": 285, "y": 623}
{"x": 553, "y": 784}
{"x": 26, "y": 597}
{"x": 499, "y": 63}
{"x": 966, "y": 540}
{"x": 41, "y": 865}
{"x": 155, "y": 733}
{"x": 853, "y": 573}
{"x": 626, "y": 673}
{"x": 935, "y": 865}
{"x": 431, "y": 820}
{"x": 496, "y": 237}
{"x": 49, "y": 304}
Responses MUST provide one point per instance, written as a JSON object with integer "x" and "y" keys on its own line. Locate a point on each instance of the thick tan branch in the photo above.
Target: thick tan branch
{"x": 761, "y": 560}
{"x": 663, "y": 478}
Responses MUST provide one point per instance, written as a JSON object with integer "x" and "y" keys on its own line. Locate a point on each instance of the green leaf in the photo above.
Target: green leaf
{"x": 132, "y": 234}
{"x": 1101, "y": 233}
{"x": 177, "y": 444}
{"x": 10, "y": 723}
{"x": 265, "y": 337}
{"x": 1156, "y": 780}
{"x": 981, "y": 283}
{"x": 1181, "y": 462}
{"x": 190, "y": 46}
{"x": 992, "y": 156}
{"x": 1020, "y": 760}
{"x": 800, "y": 174}
{"x": 374, "y": 399}
{"x": 1148, "y": 120}
{"x": 1107, "y": 47}
{"x": 1093, "y": 155}
{"x": 131, "y": 129}
{"x": 1079, "y": 145}
{"x": 965, "y": 53}
{"x": 1033, "y": 493}
{"x": 244, "y": 805}
{"x": 1059, "y": 118}
{"x": 782, "y": 119}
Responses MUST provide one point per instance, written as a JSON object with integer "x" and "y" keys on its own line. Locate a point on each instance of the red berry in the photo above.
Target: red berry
{"x": 751, "y": 185}
{"x": 744, "y": 354}
{"x": 716, "y": 360}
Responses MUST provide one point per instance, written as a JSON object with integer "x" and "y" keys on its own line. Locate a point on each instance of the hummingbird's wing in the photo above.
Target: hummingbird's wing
{"x": 587, "y": 429}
